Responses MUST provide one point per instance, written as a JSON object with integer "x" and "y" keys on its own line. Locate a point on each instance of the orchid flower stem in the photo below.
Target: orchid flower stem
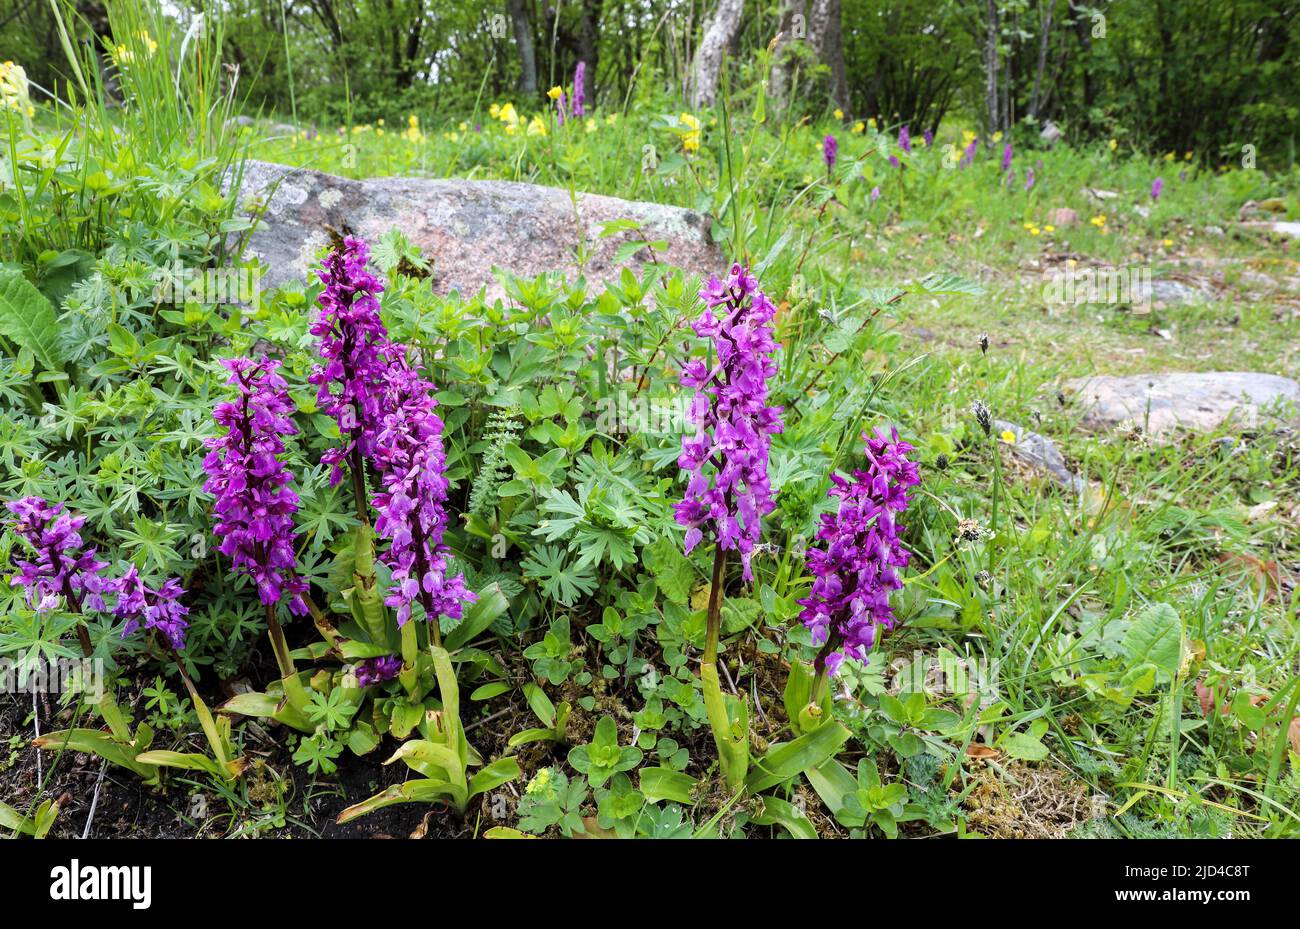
{"x": 733, "y": 746}
{"x": 204, "y": 714}
{"x": 715, "y": 606}
{"x": 293, "y": 688}
{"x": 107, "y": 703}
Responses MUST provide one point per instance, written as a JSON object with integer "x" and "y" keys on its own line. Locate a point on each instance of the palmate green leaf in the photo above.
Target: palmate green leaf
{"x": 28, "y": 319}
{"x": 560, "y": 581}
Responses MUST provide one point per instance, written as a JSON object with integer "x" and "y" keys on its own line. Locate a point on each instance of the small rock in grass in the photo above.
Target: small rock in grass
{"x": 1062, "y": 217}
{"x": 1199, "y": 401}
{"x": 1038, "y": 452}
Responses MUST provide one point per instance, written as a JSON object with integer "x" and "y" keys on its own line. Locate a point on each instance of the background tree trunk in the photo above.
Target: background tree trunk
{"x": 524, "y": 40}
{"x": 719, "y": 32}
{"x": 993, "y": 110}
{"x": 791, "y": 28}
{"x": 825, "y": 30}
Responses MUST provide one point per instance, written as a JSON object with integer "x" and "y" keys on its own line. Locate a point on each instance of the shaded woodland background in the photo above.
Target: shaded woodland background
{"x": 1206, "y": 76}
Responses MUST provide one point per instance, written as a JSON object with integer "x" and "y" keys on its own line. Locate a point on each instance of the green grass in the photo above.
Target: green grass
{"x": 1192, "y": 541}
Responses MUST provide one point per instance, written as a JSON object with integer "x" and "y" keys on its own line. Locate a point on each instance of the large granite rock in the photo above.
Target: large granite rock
{"x": 464, "y": 228}
{"x": 1159, "y": 403}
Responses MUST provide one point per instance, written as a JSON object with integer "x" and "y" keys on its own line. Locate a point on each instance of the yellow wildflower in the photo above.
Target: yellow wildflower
{"x": 494, "y": 110}
{"x": 1169, "y": 156}
{"x": 859, "y": 126}
{"x": 691, "y": 138}
{"x": 839, "y": 114}
{"x": 1113, "y": 145}
{"x": 997, "y": 136}
{"x": 1099, "y": 220}
{"x": 536, "y": 126}
{"x": 556, "y": 92}
{"x": 1050, "y": 228}
{"x": 871, "y": 123}
{"x": 1008, "y": 436}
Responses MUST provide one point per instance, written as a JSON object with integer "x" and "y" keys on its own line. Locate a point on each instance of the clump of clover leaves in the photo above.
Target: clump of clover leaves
{"x": 550, "y": 655}
{"x": 603, "y": 757}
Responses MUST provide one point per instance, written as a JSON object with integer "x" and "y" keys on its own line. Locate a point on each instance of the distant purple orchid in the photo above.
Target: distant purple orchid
{"x": 580, "y": 89}
{"x": 905, "y": 140}
{"x": 830, "y": 151}
{"x": 857, "y": 566}
{"x": 1007, "y": 154}
{"x": 63, "y": 567}
{"x": 255, "y": 505}
{"x": 968, "y": 156}
{"x": 1157, "y": 188}
{"x": 1029, "y": 179}
{"x": 874, "y": 195}
{"x": 929, "y": 138}
{"x": 355, "y": 348}
{"x": 411, "y": 462}
{"x": 733, "y": 423}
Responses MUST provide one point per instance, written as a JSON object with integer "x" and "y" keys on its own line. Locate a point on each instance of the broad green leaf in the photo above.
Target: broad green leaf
{"x": 666, "y": 784}
{"x": 1156, "y": 636}
{"x": 27, "y": 318}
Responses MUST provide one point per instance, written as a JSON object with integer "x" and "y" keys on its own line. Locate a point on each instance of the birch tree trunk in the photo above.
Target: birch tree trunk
{"x": 524, "y": 40}
{"x": 719, "y": 32}
{"x": 994, "y": 111}
{"x": 792, "y": 27}
{"x": 825, "y": 30}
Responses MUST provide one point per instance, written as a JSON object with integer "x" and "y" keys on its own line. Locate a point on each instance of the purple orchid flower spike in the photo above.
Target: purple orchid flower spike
{"x": 733, "y": 423}
{"x": 857, "y": 565}
{"x": 411, "y": 461}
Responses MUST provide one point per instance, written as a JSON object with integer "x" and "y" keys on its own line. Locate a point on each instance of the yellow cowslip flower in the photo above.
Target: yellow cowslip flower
{"x": 507, "y": 114}
{"x": 536, "y": 126}
{"x": 1169, "y": 156}
{"x": 1028, "y": 225}
{"x": 967, "y": 137}
{"x": 379, "y": 121}
{"x": 1113, "y": 145}
{"x": 1099, "y": 220}
{"x": 859, "y": 126}
{"x": 462, "y": 126}
{"x": 494, "y": 110}
{"x": 1187, "y": 156}
{"x": 379, "y": 131}
{"x": 1008, "y": 436}
{"x": 997, "y": 136}
{"x": 839, "y": 114}
{"x": 589, "y": 125}
{"x": 871, "y": 123}
{"x": 13, "y": 90}
{"x": 1034, "y": 230}
{"x": 413, "y": 121}
{"x": 611, "y": 119}
{"x": 556, "y": 92}
{"x": 691, "y": 138}
{"x": 1168, "y": 242}
{"x": 1050, "y": 228}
